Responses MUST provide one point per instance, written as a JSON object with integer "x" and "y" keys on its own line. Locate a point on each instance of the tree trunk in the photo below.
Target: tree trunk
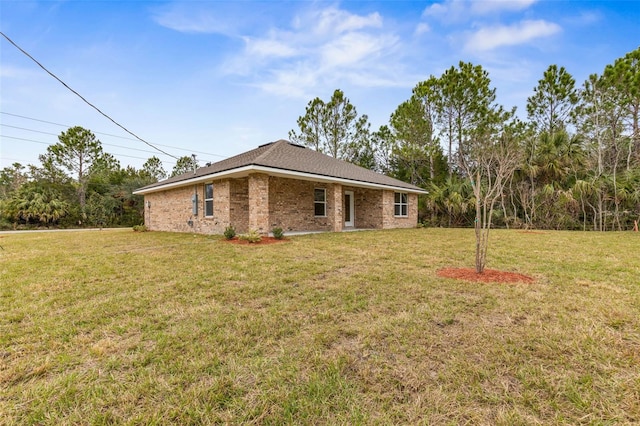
{"x": 478, "y": 230}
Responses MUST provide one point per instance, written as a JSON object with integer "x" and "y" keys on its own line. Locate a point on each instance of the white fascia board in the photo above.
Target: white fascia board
{"x": 246, "y": 170}
{"x": 329, "y": 179}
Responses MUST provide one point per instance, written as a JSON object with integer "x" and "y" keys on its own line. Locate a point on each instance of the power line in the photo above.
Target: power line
{"x": 49, "y": 143}
{"x": 53, "y": 134}
{"x": 85, "y": 101}
{"x": 111, "y": 135}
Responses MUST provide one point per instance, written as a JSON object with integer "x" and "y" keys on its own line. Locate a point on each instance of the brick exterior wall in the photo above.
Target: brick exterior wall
{"x": 172, "y": 210}
{"x": 259, "y": 203}
{"x": 239, "y": 208}
{"x": 263, "y": 202}
{"x": 368, "y": 214}
{"x": 291, "y": 205}
{"x": 335, "y": 198}
{"x": 392, "y": 221}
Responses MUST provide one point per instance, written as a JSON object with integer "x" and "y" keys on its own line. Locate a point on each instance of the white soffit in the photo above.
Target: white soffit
{"x": 246, "y": 170}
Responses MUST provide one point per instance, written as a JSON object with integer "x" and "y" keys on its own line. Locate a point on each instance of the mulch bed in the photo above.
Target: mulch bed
{"x": 488, "y": 276}
{"x": 264, "y": 241}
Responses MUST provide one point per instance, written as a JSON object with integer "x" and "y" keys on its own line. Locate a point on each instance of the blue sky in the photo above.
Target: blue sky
{"x": 218, "y": 78}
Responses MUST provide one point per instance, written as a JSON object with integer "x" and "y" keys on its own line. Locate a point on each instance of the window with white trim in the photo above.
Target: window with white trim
{"x": 320, "y": 201}
{"x": 208, "y": 199}
{"x": 400, "y": 204}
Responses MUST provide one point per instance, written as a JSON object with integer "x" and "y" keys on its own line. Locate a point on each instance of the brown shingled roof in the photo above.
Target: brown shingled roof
{"x": 283, "y": 156}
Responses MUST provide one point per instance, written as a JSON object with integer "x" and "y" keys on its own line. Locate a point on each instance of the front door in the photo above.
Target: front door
{"x": 348, "y": 209}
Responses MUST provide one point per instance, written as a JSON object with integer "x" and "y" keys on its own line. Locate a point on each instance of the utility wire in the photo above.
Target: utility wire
{"x": 53, "y": 134}
{"x": 49, "y": 143}
{"x": 85, "y": 101}
{"x": 106, "y": 134}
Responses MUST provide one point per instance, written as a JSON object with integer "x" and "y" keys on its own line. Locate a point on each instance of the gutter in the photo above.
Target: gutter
{"x": 246, "y": 170}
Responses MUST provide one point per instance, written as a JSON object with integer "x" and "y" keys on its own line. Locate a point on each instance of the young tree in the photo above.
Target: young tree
{"x": 11, "y": 179}
{"x": 416, "y": 129}
{"x": 624, "y": 79}
{"x": 553, "y": 100}
{"x": 362, "y": 150}
{"x": 412, "y": 126}
{"x": 334, "y": 128}
{"x": 606, "y": 121}
{"x": 488, "y": 151}
{"x": 310, "y": 124}
{"x": 340, "y": 125}
{"x": 186, "y": 164}
{"x": 76, "y": 152}
{"x": 383, "y": 142}
{"x": 153, "y": 169}
{"x": 489, "y": 158}
{"x": 466, "y": 100}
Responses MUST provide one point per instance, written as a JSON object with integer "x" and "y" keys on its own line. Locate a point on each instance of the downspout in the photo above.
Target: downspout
{"x": 194, "y": 206}
{"x": 194, "y": 198}
{"x": 148, "y": 203}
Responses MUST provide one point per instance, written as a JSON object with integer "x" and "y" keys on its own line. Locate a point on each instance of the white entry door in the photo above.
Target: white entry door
{"x": 349, "y": 212}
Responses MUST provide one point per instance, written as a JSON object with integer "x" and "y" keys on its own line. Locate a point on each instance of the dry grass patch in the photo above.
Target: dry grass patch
{"x": 353, "y": 328}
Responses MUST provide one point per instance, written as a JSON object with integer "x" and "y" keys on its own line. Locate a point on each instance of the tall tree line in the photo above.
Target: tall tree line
{"x": 574, "y": 163}
{"x": 78, "y": 184}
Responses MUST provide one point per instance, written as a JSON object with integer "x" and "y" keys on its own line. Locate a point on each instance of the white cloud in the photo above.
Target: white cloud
{"x": 291, "y": 82}
{"x": 450, "y": 10}
{"x": 585, "y": 18}
{"x": 483, "y": 7}
{"x": 422, "y": 28}
{"x": 456, "y": 10}
{"x": 10, "y": 71}
{"x": 198, "y": 17}
{"x": 268, "y": 48}
{"x": 353, "y": 49}
{"x": 321, "y": 48}
{"x": 490, "y": 38}
{"x": 204, "y": 23}
{"x": 337, "y": 21}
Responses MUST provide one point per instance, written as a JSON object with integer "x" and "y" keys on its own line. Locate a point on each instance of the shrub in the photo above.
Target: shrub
{"x": 140, "y": 228}
{"x": 278, "y": 233}
{"x": 252, "y": 236}
{"x": 229, "y": 232}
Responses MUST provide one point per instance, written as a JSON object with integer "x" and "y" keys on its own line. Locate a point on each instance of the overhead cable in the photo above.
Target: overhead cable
{"x": 111, "y": 135}
{"x": 49, "y": 143}
{"x": 85, "y": 101}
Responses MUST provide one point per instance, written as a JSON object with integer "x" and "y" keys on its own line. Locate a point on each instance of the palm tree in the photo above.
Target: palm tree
{"x": 453, "y": 198}
{"x": 32, "y": 204}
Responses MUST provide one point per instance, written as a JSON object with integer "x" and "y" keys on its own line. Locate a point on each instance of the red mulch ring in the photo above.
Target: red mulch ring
{"x": 488, "y": 276}
{"x": 263, "y": 241}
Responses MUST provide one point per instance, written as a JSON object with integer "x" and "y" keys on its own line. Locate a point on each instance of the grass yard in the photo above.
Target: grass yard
{"x": 111, "y": 327}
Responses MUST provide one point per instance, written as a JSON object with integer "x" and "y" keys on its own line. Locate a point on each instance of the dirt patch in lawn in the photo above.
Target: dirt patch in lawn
{"x": 488, "y": 276}
{"x": 263, "y": 241}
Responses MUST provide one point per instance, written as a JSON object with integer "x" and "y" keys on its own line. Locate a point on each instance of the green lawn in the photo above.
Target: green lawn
{"x": 105, "y": 327}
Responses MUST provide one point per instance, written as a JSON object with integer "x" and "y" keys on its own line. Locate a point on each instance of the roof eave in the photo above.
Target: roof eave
{"x": 246, "y": 170}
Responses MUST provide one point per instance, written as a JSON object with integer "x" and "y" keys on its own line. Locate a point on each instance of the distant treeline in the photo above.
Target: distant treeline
{"x": 578, "y": 155}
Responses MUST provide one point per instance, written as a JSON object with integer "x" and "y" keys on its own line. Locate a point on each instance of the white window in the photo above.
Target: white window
{"x": 400, "y": 205}
{"x": 320, "y": 201}
{"x": 208, "y": 200}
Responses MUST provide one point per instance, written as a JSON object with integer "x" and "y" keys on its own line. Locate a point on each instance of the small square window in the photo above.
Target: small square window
{"x": 400, "y": 205}
{"x": 320, "y": 201}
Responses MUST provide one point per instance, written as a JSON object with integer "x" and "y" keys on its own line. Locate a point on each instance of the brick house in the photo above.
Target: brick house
{"x": 284, "y": 185}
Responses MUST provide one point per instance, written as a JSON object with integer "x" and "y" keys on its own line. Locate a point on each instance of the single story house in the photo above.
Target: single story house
{"x": 280, "y": 184}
